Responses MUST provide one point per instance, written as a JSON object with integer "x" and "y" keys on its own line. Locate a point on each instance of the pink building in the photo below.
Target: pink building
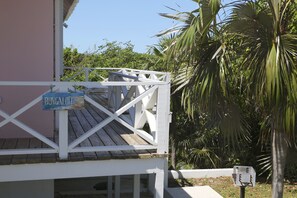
{"x": 26, "y": 54}
{"x": 106, "y": 139}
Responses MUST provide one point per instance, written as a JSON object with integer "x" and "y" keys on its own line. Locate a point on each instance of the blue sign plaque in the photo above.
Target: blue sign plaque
{"x": 62, "y": 101}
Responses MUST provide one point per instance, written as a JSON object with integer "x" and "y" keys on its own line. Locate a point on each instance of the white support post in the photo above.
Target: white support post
{"x": 136, "y": 186}
{"x": 159, "y": 185}
{"x": 109, "y": 187}
{"x": 163, "y": 108}
{"x": 63, "y": 134}
{"x": 162, "y": 132}
{"x": 117, "y": 187}
{"x": 63, "y": 131}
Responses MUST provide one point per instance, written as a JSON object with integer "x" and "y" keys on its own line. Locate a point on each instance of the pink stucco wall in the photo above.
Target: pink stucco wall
{"x": 26, "y": 54}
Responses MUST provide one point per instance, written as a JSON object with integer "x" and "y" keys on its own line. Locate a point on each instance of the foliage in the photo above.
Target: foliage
{"x": 108, "y": 55}
{"x": 254, "y": 45}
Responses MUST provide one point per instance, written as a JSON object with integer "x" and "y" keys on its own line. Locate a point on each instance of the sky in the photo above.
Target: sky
{"x": 138, "y": 21}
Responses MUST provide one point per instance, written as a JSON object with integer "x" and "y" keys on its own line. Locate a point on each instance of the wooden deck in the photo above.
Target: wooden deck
{"x": 79, "y": 122}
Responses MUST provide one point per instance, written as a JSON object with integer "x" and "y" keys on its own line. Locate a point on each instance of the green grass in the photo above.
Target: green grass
{"x": 224, "y": 186}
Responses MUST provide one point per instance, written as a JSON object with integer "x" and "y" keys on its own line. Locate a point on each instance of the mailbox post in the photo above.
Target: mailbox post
{"x": 244, "y": 176}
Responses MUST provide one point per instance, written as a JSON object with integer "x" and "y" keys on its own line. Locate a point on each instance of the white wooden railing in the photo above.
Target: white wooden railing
{"x": 87, "y": 72}
{"x": 137, "y": 98}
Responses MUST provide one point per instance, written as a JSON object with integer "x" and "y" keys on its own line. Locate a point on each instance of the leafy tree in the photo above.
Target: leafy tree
{"x": 108, "y": 55}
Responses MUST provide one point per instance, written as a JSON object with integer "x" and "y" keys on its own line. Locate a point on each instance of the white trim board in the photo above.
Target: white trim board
{"x": 62, "y": 170}
{"x": 200, "y": 173}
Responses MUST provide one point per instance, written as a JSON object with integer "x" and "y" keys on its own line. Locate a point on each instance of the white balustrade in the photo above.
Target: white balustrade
{"x": 137, "y": 99}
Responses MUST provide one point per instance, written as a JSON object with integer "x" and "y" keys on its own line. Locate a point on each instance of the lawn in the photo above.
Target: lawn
{"x": 225, "y": 187}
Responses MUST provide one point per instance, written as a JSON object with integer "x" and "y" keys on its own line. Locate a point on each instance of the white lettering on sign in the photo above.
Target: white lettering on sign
{"x": 59, "y": 101}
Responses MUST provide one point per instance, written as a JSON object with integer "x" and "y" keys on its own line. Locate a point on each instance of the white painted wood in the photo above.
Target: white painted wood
{"x": 136, "y": 186}
{"x": 138, "y": 108}
{"x": 109, "y": 187}
{"x": 141, "y": 90}
{"x": 162, "y": 132}
{"x": 112, "y": 148}
{"x": 63, "y": 131}
{"x": 63, "y": 134}
{"x": 83, "y": 84}
{"x": 200, "y": 173}
{"x": 117, "y": 187}
{"x": 58, "y": 39}
{"x": 27, "y": 151}
{"x": 146, "y": 116}
{"x": 154, "y": 77}
{"x": 159, "y": 185}
{"x": 152, "y": 101}
{"x": 97, "y": 168}
{"x": 133, "y": 91}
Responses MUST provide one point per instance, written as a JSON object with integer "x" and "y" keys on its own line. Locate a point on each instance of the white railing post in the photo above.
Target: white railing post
{"x": 136, "y": 186}
{"x": 63, "y": 131}
{"x": 163, "y": 114}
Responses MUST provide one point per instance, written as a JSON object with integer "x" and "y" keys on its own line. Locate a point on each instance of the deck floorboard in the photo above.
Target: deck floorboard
{"x": 21, "y": 159}
{"x": 79, "y": 131}
{"x": 115, "y": 137}
{"x": 7, "y": 144}
{"x": 94, "y": 139}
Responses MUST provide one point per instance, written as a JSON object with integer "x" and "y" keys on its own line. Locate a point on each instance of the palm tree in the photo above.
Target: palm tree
{"x": 270, "y": 65}
{"x": 204, "y": 43}
{"x": 201, "y": 50}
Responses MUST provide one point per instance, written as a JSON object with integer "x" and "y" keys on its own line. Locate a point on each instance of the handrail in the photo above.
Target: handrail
{"x": 136, "y": 71}
{"x": 74, "y": 84}
{"x": 163, "y": 76}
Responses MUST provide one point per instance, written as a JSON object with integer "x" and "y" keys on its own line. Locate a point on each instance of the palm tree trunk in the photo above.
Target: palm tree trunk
{"x": 279, "y": 155}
